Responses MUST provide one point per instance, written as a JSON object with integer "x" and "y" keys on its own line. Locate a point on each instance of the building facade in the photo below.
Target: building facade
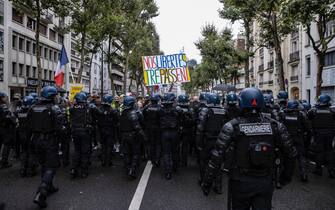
{"x": 300, "y": 65}
{"x": 18, "y": 65}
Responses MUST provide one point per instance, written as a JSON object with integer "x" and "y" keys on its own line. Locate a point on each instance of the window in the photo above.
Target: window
{"x": 17, "y": 16}
{"x": 14, "y": 41}
{"x": 50, "y": 75}
{"x": 1, "y": 42}
{"x": 330, "y": 30}
{"x": 45, "y": 74}
{"x": 27, "y": 71}
{"x": 43, "y": 30}
{"x": 41, "y": 52}
{"x": 1, "y": 12}
{"x": 308, "y": 66}
{"x": 330, "y": 59}
{"x": 60, "y": 39}
{"x": 294, "y": 71}
{"x": 14, "y": 69}
{"x": 46, "y": 53}
{"x": 20, "y": 69}
{"x": 21, "y": 44}
{"x": 55, "y": 56}
{"x": 34, "y": 72}
{"x": 1, "y": 70}
{"x": 28, "y": 43}
{"x": 51, "y": 55}
{"x": 34, "y": 48}
{"x": 31, "y": 24}
{"x": 294, "y": 47}
{"x": 52, "y": 35}
{"x": 73, "y": 52}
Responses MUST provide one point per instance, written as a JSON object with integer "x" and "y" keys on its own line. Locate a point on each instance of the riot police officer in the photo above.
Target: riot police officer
{"x": 151, "y": 120}
{"x": 7, "y": 130}
{"x": 232, "y": 105}
{"x": 24, "y": 135}
{"x": 108, "y": 119}
{"x": 296, "y": 123}
{"x": 282, "y": 99}
{"x": 269, "y": 107}
{"x": 252, "y": 140}
{"x": 187, "y": 124}
{"x": 45, "y": 123}
{"x": 65, "y": 135}
{"x": 169, "y": 125}
{"x": 132, "y": 134}
{"x": 322, "y": 118}
{"x": 210, "y": 122}
{"x": 80, "y": 120}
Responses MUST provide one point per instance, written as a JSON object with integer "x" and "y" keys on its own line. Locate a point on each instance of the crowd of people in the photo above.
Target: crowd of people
{"x": 247, "y": 135}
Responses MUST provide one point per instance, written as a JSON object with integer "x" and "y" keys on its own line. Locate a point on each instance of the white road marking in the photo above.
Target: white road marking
{"x": 140, "y": 190}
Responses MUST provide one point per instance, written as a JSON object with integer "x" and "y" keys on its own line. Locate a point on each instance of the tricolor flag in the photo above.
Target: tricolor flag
{"x": 60, "y": 69}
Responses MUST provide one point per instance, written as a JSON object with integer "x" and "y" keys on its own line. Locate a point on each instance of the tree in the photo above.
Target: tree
{"x": 107, "y": 29}
{"x": 139, "y": 12}
{"x": 274, "y": 28}
{"x": 244, "y": 11}
{"x": 83, "y": 15}
{"x": 322, "y": 13}
{"x": 218, "y": 52}
{"x": 147, "y": 45}
{"x": 37, "y": 9}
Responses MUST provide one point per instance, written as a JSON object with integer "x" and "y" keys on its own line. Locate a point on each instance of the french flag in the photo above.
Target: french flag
{"x": 60, "y": 69}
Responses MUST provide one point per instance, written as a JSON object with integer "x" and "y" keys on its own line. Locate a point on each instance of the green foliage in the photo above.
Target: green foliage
{"x": 220, "y": 59}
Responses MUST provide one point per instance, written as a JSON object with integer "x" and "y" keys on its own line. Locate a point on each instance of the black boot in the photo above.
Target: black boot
{"x": 132, "y": 173}
{"x": 73, "y": 173}
{"x": 40, "y": 199}
{"x": 168, "y": 176}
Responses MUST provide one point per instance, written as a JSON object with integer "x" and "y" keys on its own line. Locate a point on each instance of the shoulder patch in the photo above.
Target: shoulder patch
{"x": 256, "y": 129}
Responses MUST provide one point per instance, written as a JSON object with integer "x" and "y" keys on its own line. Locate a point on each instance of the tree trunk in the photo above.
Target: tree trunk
{"x": 38, "y": 52}
{"x": 90, "y": 78}
{"x": 110, "y": 67}
{"x": 321, "y": 63}
{"x": 248, "y": 46}
{"x": 126, "y": 66}
{"x": 277, "y": 45}
{"x": 142, "y": 89}
{"x": 130, "y": 84}
{"x": 82, "y": 56}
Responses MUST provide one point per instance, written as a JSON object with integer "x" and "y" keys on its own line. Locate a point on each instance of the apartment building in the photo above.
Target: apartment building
{"x": 300, "y": 65}
{"x": 18, "y": 66}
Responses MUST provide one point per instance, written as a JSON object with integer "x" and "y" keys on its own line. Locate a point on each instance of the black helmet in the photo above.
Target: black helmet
{"x": 129, "y": 101}
{"x": 251, "y": 98}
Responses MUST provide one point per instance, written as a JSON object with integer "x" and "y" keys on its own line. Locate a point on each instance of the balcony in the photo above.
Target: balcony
{"x": 260, "y": 84}
{"x": 270, "y": 82}
{"x": 294, "y": 57}
{"x": 261, "y": 68}
{"x": 294, "y": 78}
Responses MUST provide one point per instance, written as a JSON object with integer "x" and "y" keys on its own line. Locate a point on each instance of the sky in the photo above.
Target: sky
{"x": 180, "y": 21}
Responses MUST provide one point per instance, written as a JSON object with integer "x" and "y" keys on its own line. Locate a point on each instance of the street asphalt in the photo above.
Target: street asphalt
{"x": 109, "y": 188}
